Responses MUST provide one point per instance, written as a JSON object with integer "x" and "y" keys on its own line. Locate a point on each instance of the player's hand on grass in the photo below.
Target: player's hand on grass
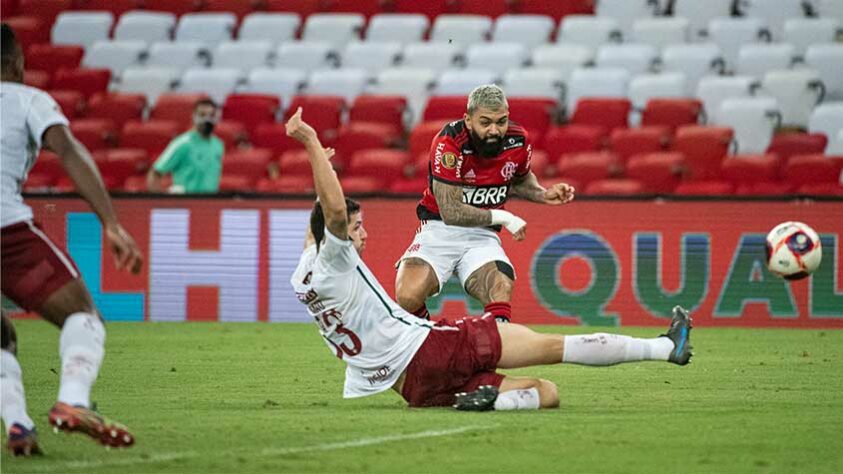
{"x": 298, "y": 129}
{"x": 560, "y": 193}
{"x": 126, "y": 253}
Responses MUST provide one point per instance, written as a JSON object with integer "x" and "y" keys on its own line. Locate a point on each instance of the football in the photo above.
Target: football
{"x": 794, "y": 250}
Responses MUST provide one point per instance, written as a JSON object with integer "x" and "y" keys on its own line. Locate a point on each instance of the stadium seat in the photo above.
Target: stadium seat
{"x": 786, "y": 145}
{"x": 176, "y": 107}
{"x": 115, "y": 7}
{"x": 303, "y": 8}
{"x": 207, "y": 28}
{"x": 797, "y": 92}
{"x": 827, "y": 59}
{"x": 422, "y": 136}
{"x": 346, "y": 82}
{"x": 564, "y": 58}
{"x": 754, "y": 120}
{"x": 337, "y": 29}
{"x": 671, "y": 113}
{"x": 588, "y": 30}
{"x": 236, "y": 183}
{"x": 626, "y": 12}
{"x": 713, "y": 90}
{"x": 827, "y": 119}
{"x": 750, "y": 169}
{"x": 730, "y": 34}
{"x": 568, "y": 139}
{"x": 462, "y": 81}
{"x": 384, "y": 110}
{"x": 372, "y": 57}
{"x": 243, "y": 55}
{"x": 294, "y": 163}
{"x": 774, "y": 13}
{"x": 252, "y": 163}
{"x": 118, "y": 164}
{"x": 829, "y": 9}
{"x": 596, "y": 82}
{"x": 496, "y": 57}
{"x": 414, "y": 186}
{"x": 821, "y": 189}
{"x": 152, "y": 136}
{"x": 609, "y": 113}
{"x": 627, "y": 142}
{"x": 37, "y": 79}
{"x": 660, "y": 32}
{"x": 634, "y": 58}
{"x": 118, "y": 107}
{"x": 701, "y": 13}
{"x": 400, "y": 28}
{"x": 658, "y": 172}
{"x": 217, "y": 83}
{"x": 704, "y": 188}
{"x": 81, "y": 28}
{"x": 286, "y": 185}
{"x": 774, "y": 189}
{"x": 323, "y": 113}
{"x": 436, "y": 56}
{"x": 273, "y": 136}
{"x": 181, "y": 55}
{"x": 273, "y": 27}
{"x": 540, "y": 164}
{"x": 555, "y": 10}
{"x": 150, "y": 81}
{"x": 835, "y": 147}
{"x": 805, "y": 32}
{"x": 37, "y": 182}
{"x": 29, "y": 30}
{"x": 72, "y": 103}
{"x": 615, "y": 187}
{"x": 95, "y": 134}
{"x": 534, "y": 114}
{"x": 414, "y": 84}
{"x": 586, "y": 167}
{"x": 176, "y": 7}
{"x": 367, "y": 8}
{"x": 306, "y": 55}
{"x": 758, "y": 59}
{"x": 251, "y": 109}
{"x": 284, "y": 83}
{"x": 541, "y": 83}
{"x": 51, "y": 58}
{"x": 232, "y": 133}
{"x": 240, "y": 8}
{"x": 694, "y": 60}
{"x": 49, "y": 166}
{"x": 445, "y": 108}
{"x": 653, "y": 86}
{"x": 384, "y": 164}
{"x": 361, "y": 184}
{"x": 492, "y": 8}
{"x": 429, "y": 8}
{"x": 704, "y": 149}
{"x": 116, "y": 56}
{"x": 813, "y": 169}
{"x": 356, "y": 137}
{"x": 86, "y": 81}
{"x": 145, "y": 26}
{"x": 528, "y": 30}
{"x": 461, "y": 30}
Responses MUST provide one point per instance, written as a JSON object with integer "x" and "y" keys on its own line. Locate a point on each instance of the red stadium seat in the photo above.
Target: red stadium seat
{"x": 615, "y": 187}
{"x": 116, "y": 166}
{"x": 116, "y": 106}
{"x": 770, "y": 188}
{"x": 274, "y": 137}
{"x": 116, "y": 7}
{"x": 366, "y": 7}
{"x": 51, "y": 58}
{"x": 177, "y": 107}
{"x": 251, "y": 109}
{"x": 250, "y": 162}
{"x": 813, "y": 169}
{"x": 286, "y": 185}
{"x": 422, "y": 137}
{"x": 294, "y": 163}
{"x": 177, "y": 7}
{"x": 323, "y": 113}
{"x": 788, "y": 144}
{"x": 72, "y": 103}
{"x": 445, "y": 108}
{"x": 657, "y": 172}
{"x": 748, "y": 169}
{"x": 384, "y": 109}
{"x": 135, "y": 184}
{"x": 704, "y": 188}
{"x": 152, "y": 135}
{"x": 492, "y": 8}
{"x": 534, "y": 114}
{"x": 29, "y": 30}
{"x": 86, "y": 81}
{"x": 414, "y": 186}
{"x": 95, "y": 134}
{"x": 36, "y": 79}
{"x": 556, "y": 9}
{"x": 587, "y": 167}
{"x": 45, "y": 10}
{"x": 704, "y": 149}
{"x": 232, "y": 134}
{"x": 821, "y": 189}
{"x": 431, "y": 8}
{"x": 236, "y": 182}
{"x": 627, "y": 142}
{"x": 608, "y": 113}
{"x": 361, "y": 184}
{"x": 240, "y": 8}
{"x": 302, "y": 7}
{"x": 360, "y": 136}
{"x": 48, "y": 164}
{"x": 384, "y": 164}
{"x": 8, "y": 8}
{"x": 36, "y": 182}
{"x": 671, "y": 113}
{"x": 572, "y": 139}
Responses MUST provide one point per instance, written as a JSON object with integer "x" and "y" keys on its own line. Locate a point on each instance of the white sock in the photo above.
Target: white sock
{"x": 527, "y": 399}
{"x": 610, "y": 349}
{"x": 14, "y": 401}
{"x": 82, "y": 348}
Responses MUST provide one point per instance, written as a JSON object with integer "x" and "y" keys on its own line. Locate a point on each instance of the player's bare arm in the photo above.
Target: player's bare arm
{"x": 528, "y": 187}
{"x": 81, "y": 169}
{"x": 454, "y": 211}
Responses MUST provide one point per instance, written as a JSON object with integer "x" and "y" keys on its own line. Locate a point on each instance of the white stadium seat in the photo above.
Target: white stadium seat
{"x": 274, "y": 27}
{"x": 694, "y": 60}
{"x": 827, "y": 119}
{"x": 338, "y": 29}
{"x": 346, "y": 82}
{"x": 415, "y": 84}
{"x": 497, "y": 57}
{"x": 371, "y": 56}
{"x": 835, "y": 147}
{"x": 282, "y": 82}
{"x": 830, "y": 9}
{"x": 535, "y": 82}
{"x": 828, "y": 60}
{"x": 635, "y": 58}
{"x": 773, "y": 12}
{"x": 588, "y": 30}
{"x": 626, "y": 12}
{"x": 713, "y": 90}
{"x": 733, "y": 33}
{"x": 114, "y": 55}
{"x": 178, "y": 54}
{"x": 462, "y": 81}
{"x": 81, "y": 28}
{"x": 564, "y": 57}
{"x": 660, "y": 32}
{"x": 306, "y": 55}
{"x": 596, "y": 82}
{"x": 397, "y": 27}
{"x": 462, "y": 30}
{"x": 244, "y": 54}
{"x": 529, "y": 30}
{"x": 209, "y": 28}
{"x": 150, "y": 81}
{"x": 760, "y": 58}
{"x": 753, "y": 120}
{"x": 145, "y": 26}
{"x": 804, "y": 32}
{"x": 436, "y": 56}
{"x": 700, "y": 13}
{"x": 651, "y": 86}
{"x": 217, "y": 83}
{"x": 797, "y": 91}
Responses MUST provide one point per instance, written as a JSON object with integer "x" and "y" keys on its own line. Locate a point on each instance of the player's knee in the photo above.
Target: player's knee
{"x": 408, "y": 297}
{"x": 548, "y": 394}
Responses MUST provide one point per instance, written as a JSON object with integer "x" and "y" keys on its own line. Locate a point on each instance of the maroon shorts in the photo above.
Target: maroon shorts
{"x": 33, "y": 267}
{"x": 452, "y": 361}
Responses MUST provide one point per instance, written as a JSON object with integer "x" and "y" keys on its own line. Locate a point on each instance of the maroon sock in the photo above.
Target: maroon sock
{"x": 499, "y": 309}
{"x": 422, "y": 312}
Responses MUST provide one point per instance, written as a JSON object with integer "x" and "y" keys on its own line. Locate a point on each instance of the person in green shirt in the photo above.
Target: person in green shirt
{"x": 194, "y": 158}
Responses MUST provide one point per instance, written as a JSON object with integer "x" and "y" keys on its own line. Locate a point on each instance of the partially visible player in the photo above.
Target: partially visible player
{"x": 39, "y": 276}
{"x": 475, "y": 164}
{"x": 441, "y": 364}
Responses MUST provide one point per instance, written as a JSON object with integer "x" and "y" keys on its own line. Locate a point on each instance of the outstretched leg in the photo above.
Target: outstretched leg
{"x": 20, "y": 428}
{"x": 415, "y": 282}
{"x": 514, "y": 393}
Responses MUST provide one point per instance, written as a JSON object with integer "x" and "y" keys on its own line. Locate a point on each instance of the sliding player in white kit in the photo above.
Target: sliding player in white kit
{"x": 433, "y": 364}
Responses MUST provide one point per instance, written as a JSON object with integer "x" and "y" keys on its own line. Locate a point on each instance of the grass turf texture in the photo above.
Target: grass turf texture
{"x": 267, "y": 398}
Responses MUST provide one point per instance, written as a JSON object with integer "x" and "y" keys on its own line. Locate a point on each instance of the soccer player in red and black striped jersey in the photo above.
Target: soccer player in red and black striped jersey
{"x": 475, "y": 164}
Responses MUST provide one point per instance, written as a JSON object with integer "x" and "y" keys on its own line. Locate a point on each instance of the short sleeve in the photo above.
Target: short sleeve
{"x": 445, "y": 160}
{"x": 44, "y": 112}
{"x": 338, "y": 255}
{"x": 525, "y": 163}
{"x": 170, "y": 157}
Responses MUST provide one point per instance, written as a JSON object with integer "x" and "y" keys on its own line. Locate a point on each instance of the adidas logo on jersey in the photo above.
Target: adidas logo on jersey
{"x": 470, "y": 176}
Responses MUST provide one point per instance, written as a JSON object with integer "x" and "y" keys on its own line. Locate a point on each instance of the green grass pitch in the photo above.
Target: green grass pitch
{"x": 210, "y": 398}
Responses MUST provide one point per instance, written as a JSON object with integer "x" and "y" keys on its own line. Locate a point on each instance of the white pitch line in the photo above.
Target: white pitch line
{"x": 267, "y": 452}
